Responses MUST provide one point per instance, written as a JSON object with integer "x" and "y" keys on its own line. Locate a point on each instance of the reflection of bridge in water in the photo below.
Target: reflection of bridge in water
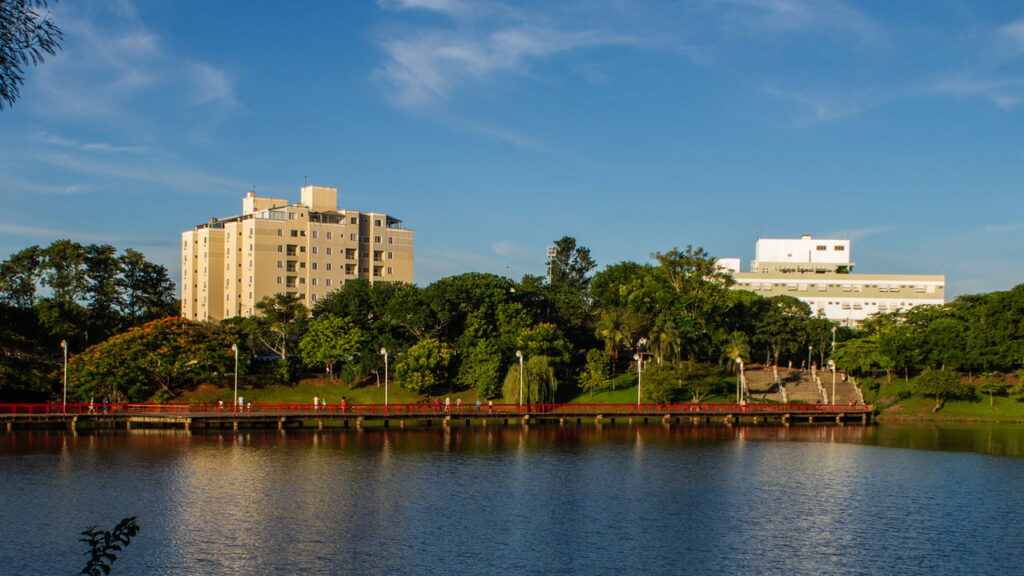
{"x": 281, "y": 416}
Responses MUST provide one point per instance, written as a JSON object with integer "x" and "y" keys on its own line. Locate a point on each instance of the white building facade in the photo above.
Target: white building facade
{"x": 819, "y": 272}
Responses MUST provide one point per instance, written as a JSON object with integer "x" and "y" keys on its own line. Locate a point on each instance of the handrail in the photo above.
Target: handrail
{"x": 252, "y": 409}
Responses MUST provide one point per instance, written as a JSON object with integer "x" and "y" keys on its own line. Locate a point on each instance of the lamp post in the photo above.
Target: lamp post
{"x": 832, "y": 365}
{"x": 384, "y": 353}
{"x": 810, "y": 348}
{"x": 519, "y": 354}
{"x": 739, "y": 381}
{"x": 64, "y": 406}
{"x": 234, "y": 404}
{"x": 639, "y": 375}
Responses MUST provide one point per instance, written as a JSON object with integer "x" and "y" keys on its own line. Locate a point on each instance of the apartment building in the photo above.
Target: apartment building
{"x": 820, "y": 273}
{"x": 309, "y": 249}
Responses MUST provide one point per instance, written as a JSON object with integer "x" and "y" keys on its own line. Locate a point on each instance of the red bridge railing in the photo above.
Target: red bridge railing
{"x": 421, "y": 410}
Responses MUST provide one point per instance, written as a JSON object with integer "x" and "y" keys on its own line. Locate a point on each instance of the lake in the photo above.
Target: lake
{"x": 616, "y": 499}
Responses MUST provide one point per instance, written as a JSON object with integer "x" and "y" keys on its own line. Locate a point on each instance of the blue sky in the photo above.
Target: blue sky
{"x": 494, "y": 128}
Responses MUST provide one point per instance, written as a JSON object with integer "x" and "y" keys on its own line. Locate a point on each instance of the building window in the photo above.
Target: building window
{"x": 327, "y": 281}
{"x": 390, "y": 270}
{"x": 314, "y": 249}
{"x": 302, "y": 280}
{"x": 355, "y": 220}
{"x": 314, "y": 234}
{"x": 314, "y": 265}
{"x": 291, "y": 215}
{"x": 329, "y": 251}
{"x": 280, "y": 264}
{"x": 821, "y": 247}
{"x": 280, "y": 232}
{"x": 313, "y": 281}
{"x": 328, "y": 265}
{"x": 391, "y": 240}
{"x": 391, "y": 255}
{"x": 295, "y": 233}
{"x": 280, "y": 248}
{"x": 312, "y": 297}
{"x": 278, "y": 279}
{"x": 376, "y": 223}
{"x": 352, "y": 237}
{"x": 839, "y": 248}
{"x": 329, "y": 236}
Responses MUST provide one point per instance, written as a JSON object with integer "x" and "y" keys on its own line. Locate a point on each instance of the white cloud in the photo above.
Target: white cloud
{"x": 1005, "y": 93}
{"x": 861, "y": 233}
{"x": 425, "y": 67}
{"x": 798, "y": 15}
{"x": 88, "y": 146}
{"x": 210, "y": 85}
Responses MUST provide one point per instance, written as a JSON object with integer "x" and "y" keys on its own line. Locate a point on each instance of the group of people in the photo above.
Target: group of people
{"x": 447, "y": 404}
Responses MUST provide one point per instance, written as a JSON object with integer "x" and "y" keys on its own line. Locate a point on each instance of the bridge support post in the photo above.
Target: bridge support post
{"x": 128, "y": 424}
{"x": 359, "y": 422}
{"x": 9, "y": 425}
{"x": 839, "y": 418}
{"x": 187, "y": 423}
{"x": 864, "y": 418}
{"x": 234, "y": 425}
{"x": 810, "y": 419}
{"x": 401, "y": 423}
{"x": 446, "y": 421}
{"x": 281, "y": 422}
{"x": 320, "y": 424}
{"x": 72, "y": 424}
{"x": 387, "y": 423}
{"x": 525, "y": 420}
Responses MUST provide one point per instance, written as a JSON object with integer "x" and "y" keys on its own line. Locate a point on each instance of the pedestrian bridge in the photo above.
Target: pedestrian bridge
{"x": 285, "y": 415}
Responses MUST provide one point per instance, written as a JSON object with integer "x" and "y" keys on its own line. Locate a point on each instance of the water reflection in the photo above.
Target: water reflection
{"x": 575, "y": 499}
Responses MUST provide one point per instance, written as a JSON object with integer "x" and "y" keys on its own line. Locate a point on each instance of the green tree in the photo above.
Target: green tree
{"x": 27, "y": 35}
{"x": 147, "y": 292}
{"x": 992, "y": 384}
{"x": 940, "y": 384}
{"x": 102, "y": 269}
{"x": 783, "y": 326}
{"x": 424, "y": 365}
{"x": 481, "y": 369}
{"x": 280, "y": 319}
{"x": 329, "y": 340}
{"x": 19, "y": 277}
{"x": 539, "y": 383}
{"x": 103, "y": 544}
{"x": 596, "y": 372}
{"x": 161, "y": 357}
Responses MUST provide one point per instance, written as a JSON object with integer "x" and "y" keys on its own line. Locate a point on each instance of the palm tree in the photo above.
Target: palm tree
{"x": 736, "y": 347}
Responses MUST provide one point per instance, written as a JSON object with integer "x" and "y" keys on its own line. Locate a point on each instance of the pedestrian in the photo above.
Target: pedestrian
{"x": 490, "y": 406}
{"x": 458, "y": 405}
{"x": 447, "y": 403}
{"x": 344, "y": 405}
{"x": 92, "y": 406}
{"x": 106, "y": 404}
{"x": 316, "y": 402}
{"x": 478, "y": 403}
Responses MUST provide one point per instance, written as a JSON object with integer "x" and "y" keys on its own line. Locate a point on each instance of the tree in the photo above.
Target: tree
{"x": 571, "y": 265}
{"x": 596, "y": 372}
{"x": 424, "y": 365}
{"x": 147, "y": 292}
{"x": 20, "y": 275}
{"x": 942, "y": 384}
{"x": 27, "y": 34}
{"x": 736, "y": 347}
{"x": 538, "y": 382}
{"x": 481, "y": 369}
{"x": 104, "y": 299}
{"x": 991, "y": 384}
{"x": 328, "y": 340}
{"x": 783, "y": 326}
{"x": 161, "y": 357}
{"x": 279, "y": 319}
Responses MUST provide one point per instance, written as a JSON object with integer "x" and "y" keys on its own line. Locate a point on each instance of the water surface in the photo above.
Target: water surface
{"x": 891, "y": 499}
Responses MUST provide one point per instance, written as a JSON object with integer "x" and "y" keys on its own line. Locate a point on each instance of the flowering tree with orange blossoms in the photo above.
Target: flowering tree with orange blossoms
{"x": 161, "y": 357}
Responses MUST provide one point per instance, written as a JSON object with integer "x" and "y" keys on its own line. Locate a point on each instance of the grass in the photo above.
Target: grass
{"x": 894, "y": 401}
{"x": 322, "y": 388}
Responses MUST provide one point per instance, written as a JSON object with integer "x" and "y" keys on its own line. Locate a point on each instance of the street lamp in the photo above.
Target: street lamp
{"x": 832, "y": 365}
{"x": 64, "y": 345}
{"x": 519, "y": 354}
{"x": 639, "y": 375}
{"x": 739, "y": 381}
{"x": 234, "y": 348}
{"x": 809, "y": 350}
{"x": 384, "y": 353}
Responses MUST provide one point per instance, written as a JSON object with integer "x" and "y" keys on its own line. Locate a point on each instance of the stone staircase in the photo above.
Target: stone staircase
{"x": 795, "y": 385}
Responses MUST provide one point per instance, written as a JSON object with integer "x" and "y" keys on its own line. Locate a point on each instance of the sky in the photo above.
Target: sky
{"x": 493, "y": 128}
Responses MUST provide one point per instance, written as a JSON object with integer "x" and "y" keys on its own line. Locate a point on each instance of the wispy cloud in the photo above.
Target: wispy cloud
{"x": 784, "y": 16}
{"x": 51, "y": 233}
{"x": 104, "y": 68}
{"x": 47, "y": 138}
{"x": 428, "y": 64}
{"x": 822, "y": 106}
{"x": 1004, "y": 228}
{"x": 1006, "y": 93}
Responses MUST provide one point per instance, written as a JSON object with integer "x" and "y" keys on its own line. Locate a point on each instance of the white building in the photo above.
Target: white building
{"x": 819, "y": 272}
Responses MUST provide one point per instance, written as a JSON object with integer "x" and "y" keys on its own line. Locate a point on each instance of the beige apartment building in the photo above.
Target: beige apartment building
{"x": 308, "y": 249}
{"x": 820, "y": 273}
